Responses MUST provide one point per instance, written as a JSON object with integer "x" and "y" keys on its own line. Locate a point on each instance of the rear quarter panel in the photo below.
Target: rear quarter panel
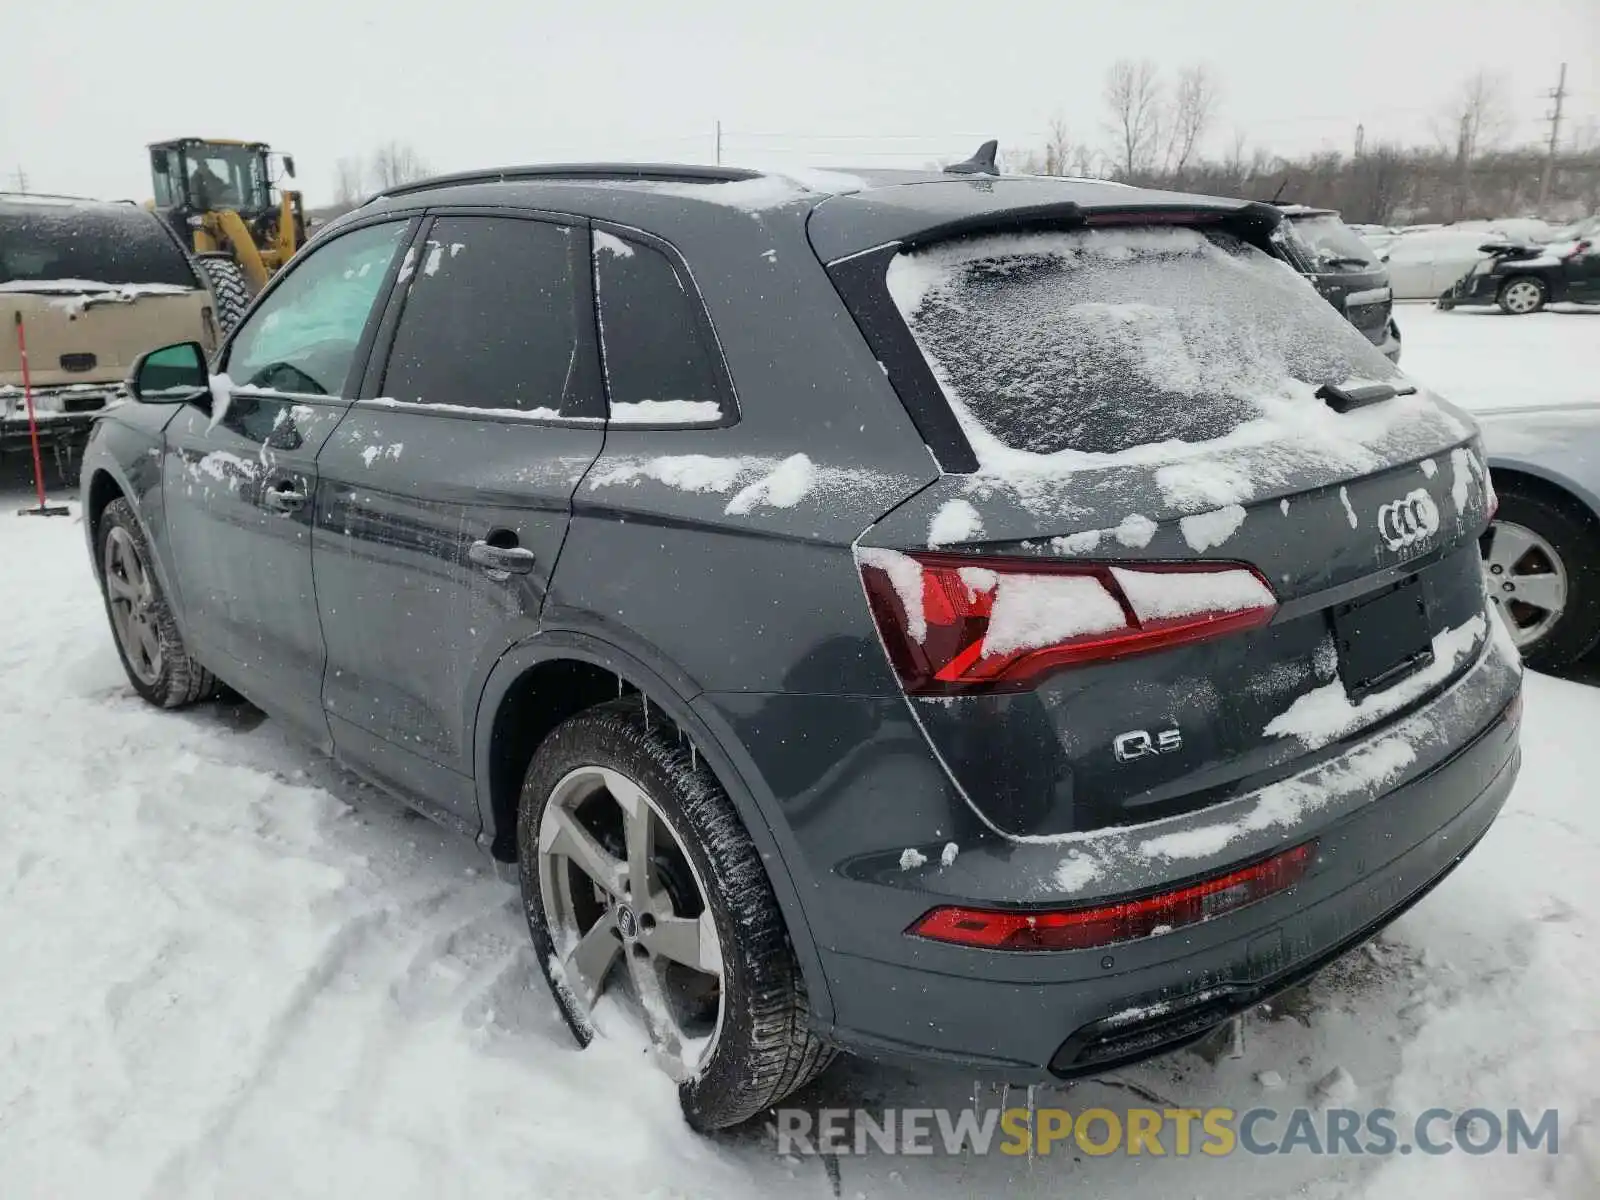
{"x": 1560, "y": 445}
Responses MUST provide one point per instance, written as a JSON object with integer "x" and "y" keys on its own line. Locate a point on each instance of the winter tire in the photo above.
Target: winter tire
{"x": 142, "y": 625}
{"x": 228, "y": 288}
{"x": 639, "y": 878}
{"x": 1542, "y": 568}
{"x": 1521, "y": 296}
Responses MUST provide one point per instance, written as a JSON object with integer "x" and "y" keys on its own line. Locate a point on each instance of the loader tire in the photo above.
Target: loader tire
{"x": 228, "y": 289}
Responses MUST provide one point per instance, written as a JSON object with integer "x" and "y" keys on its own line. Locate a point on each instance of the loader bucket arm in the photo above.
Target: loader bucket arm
{"x": 284, "y": 243}
{"x": 227, "y": 227}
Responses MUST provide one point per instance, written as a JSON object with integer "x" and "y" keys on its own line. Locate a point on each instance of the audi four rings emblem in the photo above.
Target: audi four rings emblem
{"x": 1409, "y": 520}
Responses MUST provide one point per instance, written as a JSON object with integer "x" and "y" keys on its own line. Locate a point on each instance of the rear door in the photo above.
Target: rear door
{"x": 444, "y": 496}
{"x": 239, "y": 474}
{"x": 1185, "y": 561}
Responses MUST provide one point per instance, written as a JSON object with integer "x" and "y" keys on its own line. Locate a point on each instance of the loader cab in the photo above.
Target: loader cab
{"x": 222, "y": 196}
{"x": 193, "y": 175}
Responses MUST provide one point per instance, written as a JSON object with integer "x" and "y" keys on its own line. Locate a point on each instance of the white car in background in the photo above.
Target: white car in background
{"x": 1421, "y": 265}
{"x": 1512, "y": 229}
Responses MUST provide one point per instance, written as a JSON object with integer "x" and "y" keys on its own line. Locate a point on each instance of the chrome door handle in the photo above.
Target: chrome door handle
{"x": 513, "y": 560}
{"x": 285, "y": 497}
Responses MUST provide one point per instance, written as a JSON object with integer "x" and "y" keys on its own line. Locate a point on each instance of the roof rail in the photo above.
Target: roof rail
{"x": 613, "y": 172}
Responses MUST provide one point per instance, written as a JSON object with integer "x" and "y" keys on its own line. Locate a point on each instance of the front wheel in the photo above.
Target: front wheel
{"x": 229, "y": 289}
{"x": 641, "y": 887}
{"x": 142, "y": 624}
{"x": 1522, "y": 296}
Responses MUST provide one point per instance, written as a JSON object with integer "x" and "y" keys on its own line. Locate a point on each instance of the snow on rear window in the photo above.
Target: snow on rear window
{"x": 1102, "y": 340}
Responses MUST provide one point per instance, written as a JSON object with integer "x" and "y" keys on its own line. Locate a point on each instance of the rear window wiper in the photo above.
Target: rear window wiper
{"x": 1343, "y": 260}
{"x": 1343, "y": 397}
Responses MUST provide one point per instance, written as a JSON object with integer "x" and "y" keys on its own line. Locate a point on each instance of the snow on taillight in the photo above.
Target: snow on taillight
{"x": 954, "y": 624}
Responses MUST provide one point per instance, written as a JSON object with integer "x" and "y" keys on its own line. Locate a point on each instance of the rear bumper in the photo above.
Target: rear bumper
{"x": 1102, "y": 1010}
{"x": 62, "y": 414}
{"x": 1392, "y": 812}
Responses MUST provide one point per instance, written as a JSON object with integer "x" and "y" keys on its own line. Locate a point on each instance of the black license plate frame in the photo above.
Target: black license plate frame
{"x": 1383, "y": 638}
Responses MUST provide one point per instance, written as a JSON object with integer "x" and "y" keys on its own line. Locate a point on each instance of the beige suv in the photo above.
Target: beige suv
{"x": 95, "y": 284}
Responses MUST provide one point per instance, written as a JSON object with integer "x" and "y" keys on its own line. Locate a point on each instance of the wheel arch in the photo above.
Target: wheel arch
{"x": 1540, "y": 482}
{"x": 542, "y": 682}
{"x": 102, "y": 489}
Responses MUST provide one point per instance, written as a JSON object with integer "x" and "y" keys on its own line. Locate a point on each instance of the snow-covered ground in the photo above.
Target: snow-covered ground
{"x": 1481, "y": 358}
{"x": 227, "y": 968}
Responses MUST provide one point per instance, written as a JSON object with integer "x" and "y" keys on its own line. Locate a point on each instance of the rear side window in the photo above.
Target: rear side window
{"x": 661, "y": 359}
{"x": 1102, "y": 340}
{"x": 110, "y": 243}
{"x": 491, "y": 321}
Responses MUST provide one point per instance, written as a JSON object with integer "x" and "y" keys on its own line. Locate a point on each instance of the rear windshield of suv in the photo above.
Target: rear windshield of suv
{"x": 1334, "y": 245}
{"x": 110, "y": 243}
{"x": 1102, "y": 340}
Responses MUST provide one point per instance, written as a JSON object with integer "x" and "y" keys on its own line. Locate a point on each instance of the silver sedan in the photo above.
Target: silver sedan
{"x": 1541, "y": 554}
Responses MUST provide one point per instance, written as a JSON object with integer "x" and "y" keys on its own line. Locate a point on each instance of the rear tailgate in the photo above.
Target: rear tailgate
{"x": 1146, "y": 403}
{"x": 93, "y": 337}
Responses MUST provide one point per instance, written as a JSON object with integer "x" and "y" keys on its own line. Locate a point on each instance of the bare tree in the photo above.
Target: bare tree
{"x": 395, "y": 163}
{"x": 1375, "y": 185}
{"x": 1194, "y": 103}
{"x": 1057, "y": 146}
{"x": 1133, "y": 94}
{"x": 1234, "y": 165}
{"x": 1470, "y": 122}
{"x": 349, "y": 173}
{"x": 1476, "y": 117}
{"x": 1085, "y": 160}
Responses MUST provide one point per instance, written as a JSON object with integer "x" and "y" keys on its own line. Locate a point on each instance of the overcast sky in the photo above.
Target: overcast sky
{"x": 85, "y": 84}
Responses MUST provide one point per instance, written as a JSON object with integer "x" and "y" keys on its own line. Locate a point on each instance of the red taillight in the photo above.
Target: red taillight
{"x": 959, "y": 623}
{"x": 1106, "y": 924}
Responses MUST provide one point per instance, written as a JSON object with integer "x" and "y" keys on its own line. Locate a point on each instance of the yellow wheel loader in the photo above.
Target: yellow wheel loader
{"x": 219, "y": 197}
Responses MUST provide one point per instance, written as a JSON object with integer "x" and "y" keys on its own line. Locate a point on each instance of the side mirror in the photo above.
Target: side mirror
{"x": 171, "y": 375}
{"x": 288, "y": 165}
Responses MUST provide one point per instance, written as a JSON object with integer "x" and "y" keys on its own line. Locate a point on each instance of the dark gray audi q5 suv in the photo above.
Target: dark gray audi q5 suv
{"x": 1008, "y": 622}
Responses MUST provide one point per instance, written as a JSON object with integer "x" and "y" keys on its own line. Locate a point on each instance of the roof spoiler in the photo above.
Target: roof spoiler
{"x": 1253, "y": 221}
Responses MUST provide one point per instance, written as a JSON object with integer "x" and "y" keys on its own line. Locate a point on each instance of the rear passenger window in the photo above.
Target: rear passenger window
{"x": 492, "y": 322}
{"x": 661, "y": 360}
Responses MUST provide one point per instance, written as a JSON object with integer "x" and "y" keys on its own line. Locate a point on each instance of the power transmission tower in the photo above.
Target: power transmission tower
{"x": 1361, "y": 139}
{"x": 21, "y": 178}
{"x": 719, "y": 143}
{"x": 1559, "y": 96}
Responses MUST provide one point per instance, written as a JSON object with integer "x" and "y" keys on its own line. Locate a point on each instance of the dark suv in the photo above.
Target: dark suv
{"x": 1008, "y": 622}
{"x": 1349, "y": 273}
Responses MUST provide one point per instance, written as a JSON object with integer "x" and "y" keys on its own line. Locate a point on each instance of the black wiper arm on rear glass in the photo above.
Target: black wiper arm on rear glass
{"x": 1343, "y": 397}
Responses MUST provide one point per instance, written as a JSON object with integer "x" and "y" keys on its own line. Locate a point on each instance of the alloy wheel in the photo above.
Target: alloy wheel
{"x": 626, "y": 908}
{"x": 131, "y": 592}
{"x": 1522, "y": 296}
{"x": 1525, "y": 578}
